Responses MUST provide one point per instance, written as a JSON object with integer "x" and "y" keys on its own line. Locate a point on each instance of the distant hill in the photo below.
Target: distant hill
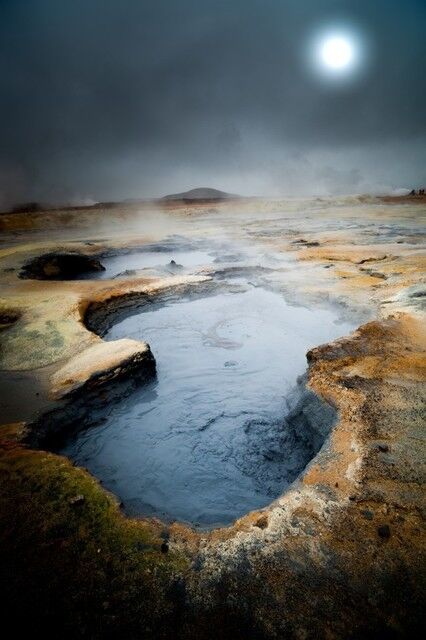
{"x": 202, "y": 193}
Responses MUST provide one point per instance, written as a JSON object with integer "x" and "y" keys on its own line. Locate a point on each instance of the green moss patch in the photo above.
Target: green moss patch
{"x": 71, "y": 562}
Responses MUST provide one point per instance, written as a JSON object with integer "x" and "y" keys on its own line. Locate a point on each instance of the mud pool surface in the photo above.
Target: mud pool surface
{"x": 207, "y": 440}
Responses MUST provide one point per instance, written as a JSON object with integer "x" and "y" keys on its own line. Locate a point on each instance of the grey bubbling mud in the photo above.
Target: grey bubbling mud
{"x": 220, "y": 431}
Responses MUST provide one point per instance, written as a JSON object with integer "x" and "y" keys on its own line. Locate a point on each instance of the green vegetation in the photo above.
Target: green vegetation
{"x": 72, "y": 566}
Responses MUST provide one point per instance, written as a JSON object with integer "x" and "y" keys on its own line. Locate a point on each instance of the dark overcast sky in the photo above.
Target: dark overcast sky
{"x": 107, "y": 99}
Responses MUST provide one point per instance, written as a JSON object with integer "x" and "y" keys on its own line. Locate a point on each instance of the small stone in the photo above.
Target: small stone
{"x": 164, "y": 547}
{"x": 336, "y": 484}
{"x": 384, "y": 531}
{"x": 383, "y": 448}
{"x": 261, "y": 522}
{"x": 76, "y": 500}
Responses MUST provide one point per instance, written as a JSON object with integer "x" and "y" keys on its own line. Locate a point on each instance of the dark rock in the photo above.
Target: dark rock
{"x": 164, "y": 547}
{"x": 306, "y": 243}
{"x": 262, "y": 522}
{"x": 60, "y": 266}
{"x": 174, "y": 265}
{"x": 8, "y": 318}
{"x": 384, "y": 531}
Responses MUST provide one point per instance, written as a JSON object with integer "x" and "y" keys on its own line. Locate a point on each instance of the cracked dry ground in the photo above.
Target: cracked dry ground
{"x": 341, "y": 554}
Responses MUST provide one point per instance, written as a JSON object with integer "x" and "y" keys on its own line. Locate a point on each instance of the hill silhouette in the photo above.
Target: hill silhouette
{"x": 201, "y": 193}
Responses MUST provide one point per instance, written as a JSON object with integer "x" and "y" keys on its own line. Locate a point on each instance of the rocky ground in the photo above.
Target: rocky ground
{"x": 339, "y": 555}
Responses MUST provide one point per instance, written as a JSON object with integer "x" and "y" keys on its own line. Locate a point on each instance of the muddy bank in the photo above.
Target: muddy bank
{"x": 101, "y": 315}
{"x": 79, "y": 406}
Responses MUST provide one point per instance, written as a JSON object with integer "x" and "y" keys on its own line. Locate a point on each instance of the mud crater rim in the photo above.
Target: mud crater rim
{"x": 302, "y": 431}
{"x": 228, "y": 276}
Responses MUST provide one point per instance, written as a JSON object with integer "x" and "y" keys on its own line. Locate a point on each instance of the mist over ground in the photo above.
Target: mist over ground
{"x": 106, "y": 100}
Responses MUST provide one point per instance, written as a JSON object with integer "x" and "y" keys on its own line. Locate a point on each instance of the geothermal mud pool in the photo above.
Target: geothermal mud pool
{"x": 207, "y": 440}
{"x": 234, "y": 420}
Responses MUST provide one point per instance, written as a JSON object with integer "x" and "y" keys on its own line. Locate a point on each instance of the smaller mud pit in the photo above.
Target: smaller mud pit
{"x": 174, "y": 255}
{"x": 221, "y": 430}
{"x": 173, "y": 262}
{"x": 60, "y": 266}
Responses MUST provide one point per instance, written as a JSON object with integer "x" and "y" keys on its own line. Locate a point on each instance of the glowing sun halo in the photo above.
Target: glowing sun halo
{"x": 337, "y": 53}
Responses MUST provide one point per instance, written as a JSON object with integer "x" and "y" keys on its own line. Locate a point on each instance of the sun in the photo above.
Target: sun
{"x": 337, "y": 53}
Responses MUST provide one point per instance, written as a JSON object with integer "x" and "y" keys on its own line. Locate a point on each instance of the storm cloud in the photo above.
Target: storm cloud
{"x": 109, "y": 99}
